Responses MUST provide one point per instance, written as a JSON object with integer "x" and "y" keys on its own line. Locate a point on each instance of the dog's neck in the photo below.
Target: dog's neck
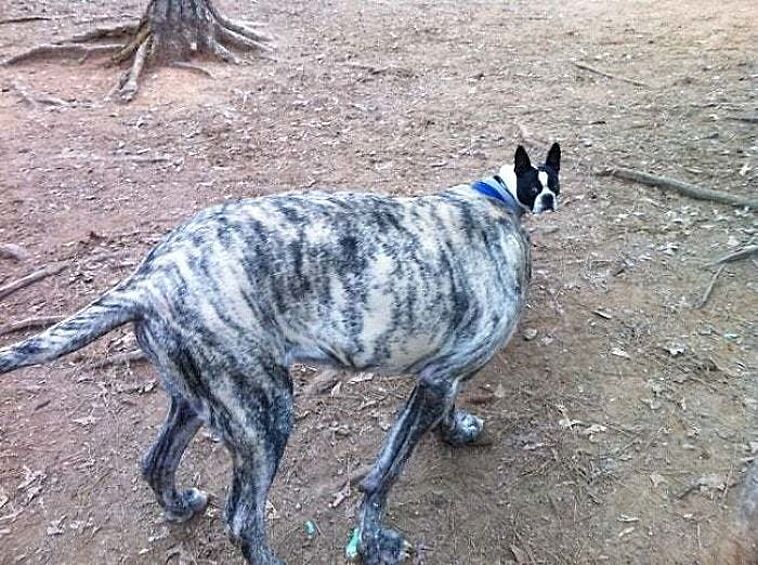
{"x": 500, "y": 189}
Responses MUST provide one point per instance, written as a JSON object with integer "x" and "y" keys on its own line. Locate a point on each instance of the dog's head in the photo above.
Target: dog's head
{"x": 535, "y": 188}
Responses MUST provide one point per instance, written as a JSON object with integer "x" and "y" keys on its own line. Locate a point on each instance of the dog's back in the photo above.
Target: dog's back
{"x": 357, "y": 280}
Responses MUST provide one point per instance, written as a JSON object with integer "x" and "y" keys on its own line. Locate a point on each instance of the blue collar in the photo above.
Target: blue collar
{"x": 494, "y": 187}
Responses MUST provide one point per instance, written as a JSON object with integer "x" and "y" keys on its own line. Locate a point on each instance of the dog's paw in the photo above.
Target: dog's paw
{"x": 191, "y": 501}
{"x": 463, "y": 429}
{"x": 383, "y": 546}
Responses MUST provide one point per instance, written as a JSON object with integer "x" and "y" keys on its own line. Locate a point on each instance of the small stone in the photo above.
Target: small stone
{"x": 529, "y": 334}
{"x": 676, "y": 349}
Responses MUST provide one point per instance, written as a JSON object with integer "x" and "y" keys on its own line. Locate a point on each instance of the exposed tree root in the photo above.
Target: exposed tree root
{"x": 128, "y": 84}
{"x": 170, "y": 31}
{"x": 193, "y": 68}
{"x": 109, "y": 32}
{"x": 72, "y": 47}
{"x": 49, "y": 50}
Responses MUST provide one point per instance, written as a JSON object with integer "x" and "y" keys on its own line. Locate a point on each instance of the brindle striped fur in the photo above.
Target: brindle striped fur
{"x": 430, "y": 286}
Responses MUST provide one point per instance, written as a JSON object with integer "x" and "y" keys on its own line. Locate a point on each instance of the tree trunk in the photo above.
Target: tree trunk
{"x": 170, "y": 32}
{"x": 176, "y": 30}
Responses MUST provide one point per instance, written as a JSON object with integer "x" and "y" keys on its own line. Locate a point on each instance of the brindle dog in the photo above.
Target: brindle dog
{"x": 429, "y": 286}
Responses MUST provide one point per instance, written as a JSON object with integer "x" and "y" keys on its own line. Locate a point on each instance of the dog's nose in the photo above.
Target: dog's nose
{"x": 548, "y": 202}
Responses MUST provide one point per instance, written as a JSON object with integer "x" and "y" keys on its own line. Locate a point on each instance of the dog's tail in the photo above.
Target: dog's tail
{"x": 115, "y": 308}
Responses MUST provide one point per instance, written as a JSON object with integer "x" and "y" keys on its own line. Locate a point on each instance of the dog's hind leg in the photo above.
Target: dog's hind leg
{"x": 161, "y": 461}
{"x": 254, "y": 414}
{"x": 458, "y": 427}
{"x": 427, "y": 406}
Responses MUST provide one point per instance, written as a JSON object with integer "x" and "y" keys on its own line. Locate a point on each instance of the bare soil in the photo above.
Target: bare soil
{"x": 622, "y": 415}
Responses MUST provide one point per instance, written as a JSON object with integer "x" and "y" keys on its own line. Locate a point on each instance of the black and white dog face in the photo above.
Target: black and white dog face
{"x": 535, "y": 189}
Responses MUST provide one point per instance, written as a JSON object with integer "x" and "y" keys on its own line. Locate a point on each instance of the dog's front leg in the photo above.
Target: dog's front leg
{"x": 426, "y": 407}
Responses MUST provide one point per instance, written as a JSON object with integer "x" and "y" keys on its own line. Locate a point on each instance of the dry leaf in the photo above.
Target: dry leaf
{"x": 618, "y": 352}
{"x": 594, "y": 429}
{"x": 626, "y": 531}
{"x": 627, "y": 519}
{"x": 362, "y": 378}
{"x": 657, "y": 479}
{"x": 336, "y": 389}
{"x": 340, "y": 496}
{"x": 519, "y": 554}
{"x": 86, "y": 421}
{"x": 529, "y": 334}
{"x": 568, "y": 423}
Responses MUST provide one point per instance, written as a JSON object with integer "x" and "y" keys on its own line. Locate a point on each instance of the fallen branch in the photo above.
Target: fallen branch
{"x": 709, "y": 290}
{"x": 587, "y": 67}
{"x": 10, "y": 288}
{"x": 29, "y": 323}
{"x": 737, "y": 255}
{"x": 127, "y": 357}
{"x": 678, "y": 186}
{"x": 34, "y": 99}
{"x": 648, "y": 179}
{"x": 375, "y": 70}
{"x": 749, "y": 119}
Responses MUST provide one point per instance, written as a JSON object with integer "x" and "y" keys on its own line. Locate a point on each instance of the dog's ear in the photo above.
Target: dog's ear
{"x": 521, "y": 161}
{"x": 554, "y": 157}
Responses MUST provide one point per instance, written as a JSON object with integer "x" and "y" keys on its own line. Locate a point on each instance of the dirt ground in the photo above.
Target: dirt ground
{"x": 621, "y": 413}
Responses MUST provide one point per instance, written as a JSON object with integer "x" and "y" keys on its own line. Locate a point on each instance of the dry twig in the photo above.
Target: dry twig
{"x": 664, "y": 183}
{"x": 737, "y": 255}
{"x": 591, "y": 69}
{"x": 747, "y": 118}
{"x": 34, "y": 99}
{"x": 30, "y": 323}
{"x": 10, "y": 288}
{"x": 709, "y": 290}
{"x": 127, "y": 357}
